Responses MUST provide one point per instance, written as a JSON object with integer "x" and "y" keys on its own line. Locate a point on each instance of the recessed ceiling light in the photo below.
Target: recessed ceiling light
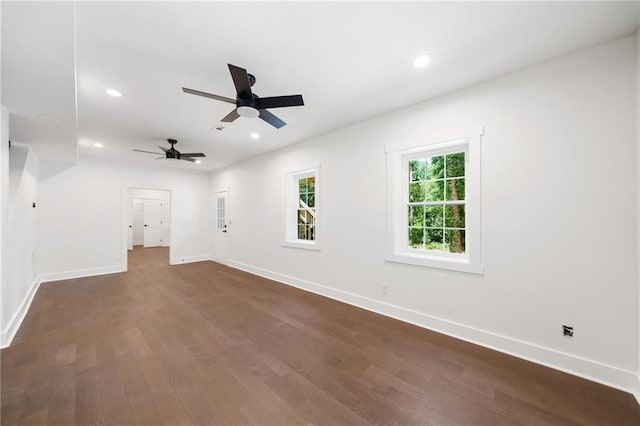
{"x": 98, "y": 145}
{"x": 113, "y": 92}
{"x": 198, "y": 161}
{"x": 421, "y": 61}
{"x": 255, "y": 135}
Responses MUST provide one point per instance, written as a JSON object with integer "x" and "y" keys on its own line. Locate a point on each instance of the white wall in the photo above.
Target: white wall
{"x": 165, "y": 196}
{"x": 559, "y": 229}
{"x": 4, "y": 209}
{"x": 19, "y": 281}
{"x": 638, "y": 197}
{"x": 81, "y": 226}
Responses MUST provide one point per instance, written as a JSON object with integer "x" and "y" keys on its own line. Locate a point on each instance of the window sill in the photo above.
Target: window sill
{"x": 436, "y": 262}
{"x": 306, "y": 245}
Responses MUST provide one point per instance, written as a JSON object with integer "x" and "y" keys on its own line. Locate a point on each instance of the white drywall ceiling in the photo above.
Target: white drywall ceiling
{"x": 351, "y": 61}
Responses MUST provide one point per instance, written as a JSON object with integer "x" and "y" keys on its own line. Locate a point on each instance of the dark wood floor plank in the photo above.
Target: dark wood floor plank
{"x": 141, "y": 401}
{"x": 115, "y": 404}
{"x": 203, "y": 344}
{"x": 89, "y": 398}
{"x": 62, "y": 405}
{"x": 36, "y": 419}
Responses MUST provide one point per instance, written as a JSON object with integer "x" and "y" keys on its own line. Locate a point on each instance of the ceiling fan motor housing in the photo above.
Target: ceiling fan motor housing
{"x": 250, "y": 102}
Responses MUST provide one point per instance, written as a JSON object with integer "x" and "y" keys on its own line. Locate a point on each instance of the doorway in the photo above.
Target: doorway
{"x": 148, "y": 225}
{"x": 221, "y": 228}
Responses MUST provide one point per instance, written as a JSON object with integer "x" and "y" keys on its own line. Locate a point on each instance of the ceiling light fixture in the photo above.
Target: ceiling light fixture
{"x": 198, "y": 161}
{"x": 255, "y": 135}
{"x": 98, "y": 145}
{"x": 113, "y": 92}
{"x": 248, "y": 112}
{"x": 421, "y": 61}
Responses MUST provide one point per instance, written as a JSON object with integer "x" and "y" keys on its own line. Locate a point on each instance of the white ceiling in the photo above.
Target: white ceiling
{"x": 351, "y": 61}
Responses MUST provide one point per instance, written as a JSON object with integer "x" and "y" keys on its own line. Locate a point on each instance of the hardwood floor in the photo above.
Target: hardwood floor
{"x": 204, "y": 344}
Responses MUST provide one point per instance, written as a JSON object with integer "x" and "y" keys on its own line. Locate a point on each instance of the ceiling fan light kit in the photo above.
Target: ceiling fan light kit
{"x": 248, "y": 112}
{"x": 248, "y": 104}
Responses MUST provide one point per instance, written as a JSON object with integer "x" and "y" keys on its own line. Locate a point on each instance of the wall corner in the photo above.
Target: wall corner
{"x": 4, "y": 202}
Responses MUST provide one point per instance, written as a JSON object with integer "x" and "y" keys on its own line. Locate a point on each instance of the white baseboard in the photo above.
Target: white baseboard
{"x": 189, "y": 259}
{"x": 14, "y": 324}
{"x": 608, "y": 375}
{"x": 80, "y": 273}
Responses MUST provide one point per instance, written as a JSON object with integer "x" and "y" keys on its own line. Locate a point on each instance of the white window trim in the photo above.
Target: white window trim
{"x": 291, "y": 207}
{"x": 397, "y": 249}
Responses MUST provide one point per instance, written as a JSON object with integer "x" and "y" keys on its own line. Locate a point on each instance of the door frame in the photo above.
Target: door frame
{"x": 214, "y": 227}
{"x": 126, "y": 217}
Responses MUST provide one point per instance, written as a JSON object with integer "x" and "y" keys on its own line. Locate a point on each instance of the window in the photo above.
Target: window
{"x": 436, "y": 203}
{"x": 433, "y": 198}
{"x": 306, "y": 208}
{"x": 301, "y": 208}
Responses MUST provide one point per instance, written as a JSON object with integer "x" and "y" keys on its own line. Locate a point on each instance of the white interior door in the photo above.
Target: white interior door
{"x": 130, "y": 237}
{"x": 152, "y": 223}
{"x": 137, "y": 213}
{"x": 221, "y": 235}
{"x": 130, "y": 231}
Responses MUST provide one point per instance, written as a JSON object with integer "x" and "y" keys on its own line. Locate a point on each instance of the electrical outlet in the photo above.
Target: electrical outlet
{"x": 567, "y": 330}
{"x": 384, "y": 289}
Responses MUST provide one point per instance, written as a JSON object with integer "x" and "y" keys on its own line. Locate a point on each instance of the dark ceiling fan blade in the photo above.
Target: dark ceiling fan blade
{"x": 192, "y": 154}
{"x": 271, "y": 119}
{"x": 280, "y": 101}
{"x": 241, "y": 81}
{"x": 148, "y": 152}
{"x": 231, "y": 116}
{"x": 208, "y": 95}
{"x": 182, "y": 157}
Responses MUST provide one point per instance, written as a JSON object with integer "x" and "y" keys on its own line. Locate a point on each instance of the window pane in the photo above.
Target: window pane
{"x": 311, "y": 184}
{"x": 311, "y": 200}
{"x": 416, "y": 238}
{"x": 302, "y": 185}
{"x": 302, "y": 217}
{"x": 433, "y": 239}
{"x": 434, "y": 216}
{"x": 454, "y": 216}
{"x": 417, "y": 170}
{"x": 416, "y": 192}
{"x": 416, "y": 216}
{"x": 455, "y": 189}
{"x": 304, "y": 198}
{"x": 455, "y": 241}
{"x": 455, "y": 164}
{"x": 435, "y": 167}
{"x": 435, "y": 190}
{"x": 301, "y": 229}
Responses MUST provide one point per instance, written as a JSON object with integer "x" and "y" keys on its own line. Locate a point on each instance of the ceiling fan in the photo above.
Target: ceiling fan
{"x": 173, "y": 153}
{"x": 248, "y": 104}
